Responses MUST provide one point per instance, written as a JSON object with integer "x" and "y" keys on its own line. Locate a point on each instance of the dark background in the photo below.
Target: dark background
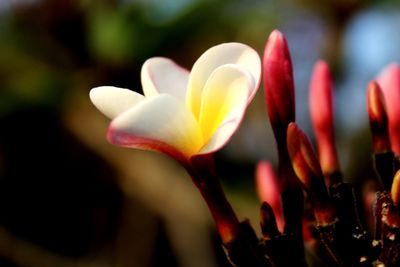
{"x": 68, "y": 198}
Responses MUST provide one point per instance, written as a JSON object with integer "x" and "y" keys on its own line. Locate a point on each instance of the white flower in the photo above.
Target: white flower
{"x": 183, "y": 114}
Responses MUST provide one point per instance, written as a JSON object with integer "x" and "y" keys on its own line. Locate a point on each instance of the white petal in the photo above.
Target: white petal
{"x": 112, "y": 101}
{"x": 228, "y": 53}
{"x": 163, "y": 76}
{"x": 228, "y": 87}
{"x": 160, "y": 123}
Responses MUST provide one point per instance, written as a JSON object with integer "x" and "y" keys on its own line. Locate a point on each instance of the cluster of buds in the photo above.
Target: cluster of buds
{"x": 191, "y": 115}
{"x": 330, "y": 221}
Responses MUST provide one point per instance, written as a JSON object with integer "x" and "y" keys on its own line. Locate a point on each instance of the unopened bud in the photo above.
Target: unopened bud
{"x": 278, "y": 84}
{"x": 321, "y": 111}
{"x": 304, "y": 161}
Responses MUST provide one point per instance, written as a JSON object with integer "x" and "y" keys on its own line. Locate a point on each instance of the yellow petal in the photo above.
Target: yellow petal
{"x": 228, "y": 53}
{"x": 160, "y": 123}
{"x": 161, "y": 75}
{"x": 227, "y": 89}
{"x": 112, "y": 101}
{"x": 226, "y": 129}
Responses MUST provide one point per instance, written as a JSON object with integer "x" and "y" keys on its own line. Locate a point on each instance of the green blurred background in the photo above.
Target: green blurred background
{"x": 68, "y": 198}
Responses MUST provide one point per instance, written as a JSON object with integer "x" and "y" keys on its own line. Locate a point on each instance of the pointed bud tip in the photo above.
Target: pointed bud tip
{"x": 276, "y": 40}
{"x": 275, "y": 35}
{"x": 321, "y": 65}
{"x": 292, "y": 128}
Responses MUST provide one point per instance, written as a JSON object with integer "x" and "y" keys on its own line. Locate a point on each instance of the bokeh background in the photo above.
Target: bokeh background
{"x": 68, "y": 198}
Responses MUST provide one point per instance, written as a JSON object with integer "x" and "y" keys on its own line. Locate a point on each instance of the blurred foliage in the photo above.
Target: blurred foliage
{"x": 47, "y": 45}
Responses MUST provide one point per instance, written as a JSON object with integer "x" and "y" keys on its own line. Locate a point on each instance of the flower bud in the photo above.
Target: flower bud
{"x": 321, "y": 112}
{"x": 278, "y": 84}
{"x": 308, "y": 170}
{"x": 304, "y": 161}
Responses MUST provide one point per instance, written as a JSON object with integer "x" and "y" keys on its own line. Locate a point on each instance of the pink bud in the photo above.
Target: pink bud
{"x": 304, "y": 160}
{"x": 389, "y": 80}
{"x": 278, "y": 84}
{"x": 308, "y": 170}
{"x": 322, "y": 117}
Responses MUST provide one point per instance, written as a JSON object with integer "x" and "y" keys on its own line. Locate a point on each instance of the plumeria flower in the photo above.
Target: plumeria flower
{"x": 187, "y": 115}
{"x": 183, "y": 114}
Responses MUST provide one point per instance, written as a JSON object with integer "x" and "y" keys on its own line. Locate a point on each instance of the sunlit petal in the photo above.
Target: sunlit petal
{"x": 112, "y": 101}
{"x": 228, "y": 53}
{"x": 161, "y": 75}
{"x": 227, "y": 87}
{"x": 160, "y": 123}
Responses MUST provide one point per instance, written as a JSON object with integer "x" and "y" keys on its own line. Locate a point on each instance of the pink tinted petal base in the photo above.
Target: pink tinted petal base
{"x": 162, "y": 119}
{"x": 129, "y": 140}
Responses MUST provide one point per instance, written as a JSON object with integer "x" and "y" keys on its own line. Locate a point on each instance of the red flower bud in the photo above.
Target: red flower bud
{"x": 308, "y": 170}
{"x": 304, "y": 160}
{"x": 278, "y": 84}
{"x": 322, "y": 117}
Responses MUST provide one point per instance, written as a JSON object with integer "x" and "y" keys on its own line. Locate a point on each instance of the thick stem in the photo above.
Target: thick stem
{"x": 293, "y": 206}
{"x": 292, "y": 194}
{"x": 202, "y": 172}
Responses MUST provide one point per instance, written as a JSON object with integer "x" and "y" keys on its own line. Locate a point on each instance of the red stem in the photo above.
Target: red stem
{"x": 203, "y": 176}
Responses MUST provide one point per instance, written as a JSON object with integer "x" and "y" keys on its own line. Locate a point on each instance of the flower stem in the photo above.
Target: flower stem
{"x": 203, "y": 176}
